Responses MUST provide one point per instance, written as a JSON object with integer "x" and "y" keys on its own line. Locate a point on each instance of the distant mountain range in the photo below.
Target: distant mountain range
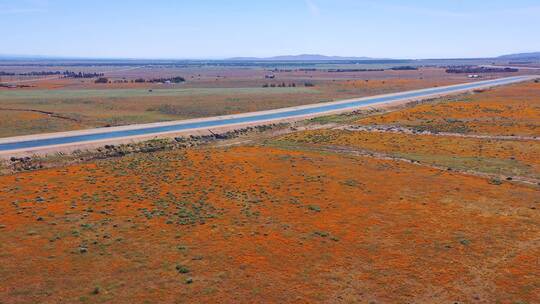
{"x": 303, "y": 57}
{"x": 317, "y": 57}
{"x": 521, "y": 56}
{"x": 534, "y": 56}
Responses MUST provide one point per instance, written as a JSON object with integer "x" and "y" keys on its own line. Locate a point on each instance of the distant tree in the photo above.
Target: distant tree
{"x": 102, "y": 80}
{"x": 178, "y": 79}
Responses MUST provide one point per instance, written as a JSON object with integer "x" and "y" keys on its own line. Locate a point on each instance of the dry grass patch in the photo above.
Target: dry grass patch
{"x": 505, "y": 157}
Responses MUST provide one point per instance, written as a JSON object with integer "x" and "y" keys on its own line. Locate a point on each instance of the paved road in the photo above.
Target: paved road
{"x": 63, "y": 139}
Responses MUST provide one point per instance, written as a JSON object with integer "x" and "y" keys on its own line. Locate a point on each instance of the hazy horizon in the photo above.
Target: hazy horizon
{"x": 360, "y": 57}
{"x": 208, "y": 29}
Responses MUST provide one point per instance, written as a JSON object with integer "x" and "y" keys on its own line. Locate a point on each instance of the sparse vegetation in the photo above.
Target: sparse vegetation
{"x": 128, "y": 211}
{"x": 182, "y": 269}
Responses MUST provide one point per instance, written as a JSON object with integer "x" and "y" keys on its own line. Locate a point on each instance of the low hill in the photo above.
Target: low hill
{"x": 522, "y": 56}
{"x": 302, "y": 57}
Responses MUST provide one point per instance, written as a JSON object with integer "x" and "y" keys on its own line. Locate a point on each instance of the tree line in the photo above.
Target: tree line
{"x": 67, "y": 74}
{"x": 286, "y": 85}
{"x": 472, "y": 69}
{"x": 177, "y": 79}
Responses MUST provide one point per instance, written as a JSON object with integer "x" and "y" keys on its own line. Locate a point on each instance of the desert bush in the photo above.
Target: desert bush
{"x": 182, "y": 269}
{"x": 314, "y": 208}
{"x": 495, "y": 181}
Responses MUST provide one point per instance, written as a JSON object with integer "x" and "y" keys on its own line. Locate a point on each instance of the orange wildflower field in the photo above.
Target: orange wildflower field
{"x": 508, "y": 110}
{"x": 268, "y": 225}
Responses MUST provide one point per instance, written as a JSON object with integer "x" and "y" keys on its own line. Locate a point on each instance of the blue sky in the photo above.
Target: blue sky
{"x": 228, "y": 28}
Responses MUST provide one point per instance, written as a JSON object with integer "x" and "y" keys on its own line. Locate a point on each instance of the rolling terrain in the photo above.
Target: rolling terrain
{"x": 395, "y": 205}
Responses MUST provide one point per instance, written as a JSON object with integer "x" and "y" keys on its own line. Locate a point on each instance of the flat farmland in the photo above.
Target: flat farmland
{"x": 77, "y": 104}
